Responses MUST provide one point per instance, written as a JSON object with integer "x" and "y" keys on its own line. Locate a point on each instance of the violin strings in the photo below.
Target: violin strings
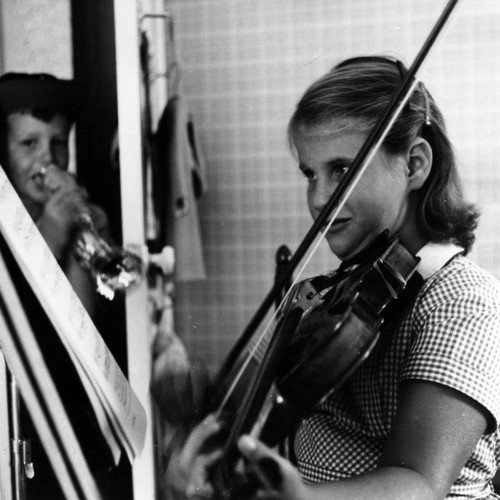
{"x": 263, "y": 336}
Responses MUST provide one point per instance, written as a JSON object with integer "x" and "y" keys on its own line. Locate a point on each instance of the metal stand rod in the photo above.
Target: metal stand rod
{"x": 17, "y": 444}
{"x": 21, "y": 447}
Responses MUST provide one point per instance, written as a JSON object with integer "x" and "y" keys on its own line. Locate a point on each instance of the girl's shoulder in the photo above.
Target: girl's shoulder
{"x": 462, "y": 272}
{"x": 460, "y": 281}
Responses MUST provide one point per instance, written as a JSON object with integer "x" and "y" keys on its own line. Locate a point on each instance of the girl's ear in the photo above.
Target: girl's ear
{"x": 419, "y": 163}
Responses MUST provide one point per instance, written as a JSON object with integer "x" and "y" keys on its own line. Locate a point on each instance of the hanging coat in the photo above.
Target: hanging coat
{"x": 182, "y": 182}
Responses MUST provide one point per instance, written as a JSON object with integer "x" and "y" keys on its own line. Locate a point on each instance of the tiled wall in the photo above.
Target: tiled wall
{"x": 36, "y": 36}
{"x": 245, "y": 64}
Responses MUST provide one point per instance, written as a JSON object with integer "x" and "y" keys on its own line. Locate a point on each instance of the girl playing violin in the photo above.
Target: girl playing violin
{"x": 418, "y": 419}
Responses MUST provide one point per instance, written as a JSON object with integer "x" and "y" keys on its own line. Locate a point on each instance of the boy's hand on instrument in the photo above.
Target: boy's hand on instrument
{"x": 66, "y": 201}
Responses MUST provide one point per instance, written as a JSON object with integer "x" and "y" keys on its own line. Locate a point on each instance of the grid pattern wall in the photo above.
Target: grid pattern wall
{"x": 36, "y": 36}
{"x": 244, "y": 66}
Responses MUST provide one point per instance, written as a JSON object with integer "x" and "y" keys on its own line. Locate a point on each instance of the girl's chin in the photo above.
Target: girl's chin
{"x": 343, "y": 249}
{"x": 340, "y": 251}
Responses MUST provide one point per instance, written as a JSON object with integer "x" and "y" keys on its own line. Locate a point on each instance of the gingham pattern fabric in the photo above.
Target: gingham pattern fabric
{"x": 449, "y": 335}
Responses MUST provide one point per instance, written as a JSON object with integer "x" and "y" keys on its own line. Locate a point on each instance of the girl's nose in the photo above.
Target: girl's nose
{"x": 322, "y": 193}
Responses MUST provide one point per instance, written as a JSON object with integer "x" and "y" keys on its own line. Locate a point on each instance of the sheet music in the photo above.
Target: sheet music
{"x": 119, "y": 412}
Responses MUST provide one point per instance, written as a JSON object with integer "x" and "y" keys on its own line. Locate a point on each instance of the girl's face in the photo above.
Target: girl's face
{"x": 31, "y": 145}
{"x": 379, "y": 201}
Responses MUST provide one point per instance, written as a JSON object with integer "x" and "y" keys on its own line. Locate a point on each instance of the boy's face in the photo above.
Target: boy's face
{"x": 31, "y": 145}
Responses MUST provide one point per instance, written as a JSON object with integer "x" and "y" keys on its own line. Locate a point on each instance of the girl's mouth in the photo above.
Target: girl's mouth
{"x": 337, "y": 225}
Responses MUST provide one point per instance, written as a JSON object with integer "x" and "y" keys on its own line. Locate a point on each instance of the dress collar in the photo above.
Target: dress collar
{"x": 434, "y": 256}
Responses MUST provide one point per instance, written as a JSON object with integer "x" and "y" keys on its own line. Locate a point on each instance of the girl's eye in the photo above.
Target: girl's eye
{"x": 308, "y": 174}
{"x": 339, "y": 170}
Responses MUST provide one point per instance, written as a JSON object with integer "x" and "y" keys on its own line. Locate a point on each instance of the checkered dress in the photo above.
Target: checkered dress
{"x": 449, "y": 335}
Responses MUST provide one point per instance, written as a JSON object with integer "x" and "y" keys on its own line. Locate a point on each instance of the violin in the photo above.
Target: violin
{"x": 325, "y": 328}
{"x": 329, "y": 326}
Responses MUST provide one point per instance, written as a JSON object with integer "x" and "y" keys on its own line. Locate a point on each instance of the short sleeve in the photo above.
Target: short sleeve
{"x": 456, "y": 335}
